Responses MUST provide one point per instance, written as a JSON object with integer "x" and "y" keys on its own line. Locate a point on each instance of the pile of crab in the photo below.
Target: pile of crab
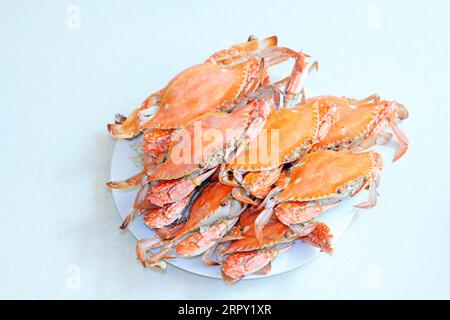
{"x": 206, "y": 189}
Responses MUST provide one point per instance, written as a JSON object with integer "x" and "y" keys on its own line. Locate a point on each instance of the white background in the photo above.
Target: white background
{"x": 61, "y": 82}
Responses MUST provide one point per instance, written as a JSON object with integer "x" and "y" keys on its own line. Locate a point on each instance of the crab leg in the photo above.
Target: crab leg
{"x": 191, "y": 246}
{"x": 130, "y": 182}
{"x": 372, "y": 196}
{"x": 127, "y": 128}
{"x": 261, "y": 220}
{"x": 372, "y": 98}
{"x": 238, "y": 51}
{"x": 128, "y": 219}
{"x": 140, "y": 198}
{"x": 380, "y": 139}
{"x": 217, "y": 249}
{"x": 143, "y": 245}
{"x": 402, "y": 139}
{"x": 164, "y": 253}
{"x": 293, "y": 84}
{"x": 285, "y": 81}
{"x": 238, "y": 194}
{"x": 373, "y": 183}
{"x": 303, "y": 229}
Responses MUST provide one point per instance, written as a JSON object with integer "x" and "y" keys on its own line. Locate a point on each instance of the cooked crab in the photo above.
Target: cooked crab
{"x": 362, "y": 123}
{"x": 318, "y": 183}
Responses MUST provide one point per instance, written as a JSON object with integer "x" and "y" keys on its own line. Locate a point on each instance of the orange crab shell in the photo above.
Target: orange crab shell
{"x": 200, "y": 89}
{"x": 323, "y": 173}
{"x": 356, "y": 120}
{"x": 215, "y": 131}
{"x": 290, "y": 130}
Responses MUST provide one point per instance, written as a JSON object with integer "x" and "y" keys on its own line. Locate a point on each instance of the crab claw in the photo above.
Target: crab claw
{"x": 124, "y": 128}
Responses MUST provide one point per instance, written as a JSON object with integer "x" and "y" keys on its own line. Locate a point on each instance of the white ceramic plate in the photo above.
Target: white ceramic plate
{"x": 123, "y": 166}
